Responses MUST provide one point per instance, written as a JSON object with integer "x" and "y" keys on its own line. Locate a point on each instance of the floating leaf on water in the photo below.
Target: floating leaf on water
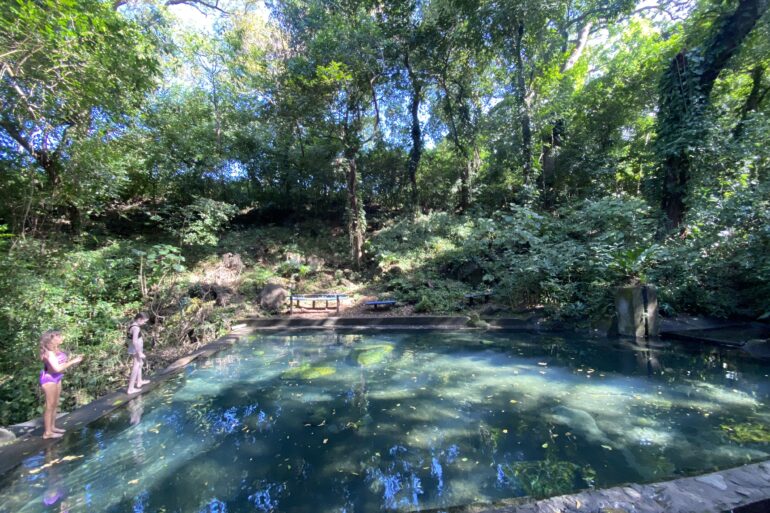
{"x": 133, "y": 481}
{"x": 545, "y": 445}
{"x": 514, "y": 401}
{"x": 606, "y": 447}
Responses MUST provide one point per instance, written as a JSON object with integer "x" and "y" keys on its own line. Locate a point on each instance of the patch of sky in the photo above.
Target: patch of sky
{"x": 267, "y": 497}
{"x": 214, "y": 506}
{"x": 437, "y": 472}
{"x": 141, "y": 502}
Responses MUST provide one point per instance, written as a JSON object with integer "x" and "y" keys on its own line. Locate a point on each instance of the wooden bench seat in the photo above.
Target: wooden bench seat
{"x": 316, "y": 298}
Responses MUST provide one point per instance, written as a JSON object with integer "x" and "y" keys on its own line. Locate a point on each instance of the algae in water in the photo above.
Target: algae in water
{"x": 307, "y": 371}
{"x": 372, "y": 355}
{"x": 747, "y": 432}
{"x": 546, "y": 478}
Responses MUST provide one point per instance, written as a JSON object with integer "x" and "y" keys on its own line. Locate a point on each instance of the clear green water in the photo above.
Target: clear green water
{"x": 328, "y": 422}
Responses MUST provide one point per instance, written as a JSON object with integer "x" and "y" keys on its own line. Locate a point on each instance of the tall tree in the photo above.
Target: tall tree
{"x": 66, "y": 66}
{"x": 684, "y": 94}
{"x": 341, "y": 68}
{"x": 459, "y": 66}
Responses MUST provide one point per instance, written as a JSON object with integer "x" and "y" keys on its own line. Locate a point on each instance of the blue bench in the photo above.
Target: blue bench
{"x": 387, "y": 303}
{"x": 316, "y": 298}
{"x": 484, "y": 296}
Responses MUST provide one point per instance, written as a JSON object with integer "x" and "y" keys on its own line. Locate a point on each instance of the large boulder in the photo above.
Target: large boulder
{"x": 272, "y": 297}
{"x": 315, "y": 263}
{"x": 232, "y": 262}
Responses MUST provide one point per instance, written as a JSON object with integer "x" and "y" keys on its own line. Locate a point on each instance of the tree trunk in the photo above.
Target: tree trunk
{"x": 547, "y": 179}
{"x": 752, "y": 102}
{"x": 469, "y": 170}
{"x": 684, "y": 94}
{"x": 577, "y": 52}
{"x": 521, "y": 99}
{"x": 416, "y": 152}
{"x": 356, "y": 220}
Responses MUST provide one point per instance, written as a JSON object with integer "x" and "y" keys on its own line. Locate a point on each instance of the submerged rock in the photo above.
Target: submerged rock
{"x": 372, "y": 355}
{"x": 579, "y": 421}
{"x": 307, "y": 371}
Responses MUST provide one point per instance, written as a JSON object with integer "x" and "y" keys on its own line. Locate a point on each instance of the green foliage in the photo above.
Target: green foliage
{"x": 199, "y": 223}
{"x": 86, "y": 293}
{"x": 569, "y": 262}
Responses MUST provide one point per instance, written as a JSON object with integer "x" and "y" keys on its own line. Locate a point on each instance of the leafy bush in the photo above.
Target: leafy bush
{"x": 200, "y": 223}
{"x": 569, "y": 261}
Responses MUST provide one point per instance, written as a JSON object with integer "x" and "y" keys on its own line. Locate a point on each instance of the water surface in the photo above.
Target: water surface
{"x": 346, "y": 423}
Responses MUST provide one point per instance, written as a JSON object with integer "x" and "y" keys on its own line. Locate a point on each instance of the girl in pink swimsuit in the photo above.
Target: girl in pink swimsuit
{"x": 55, "y": 362}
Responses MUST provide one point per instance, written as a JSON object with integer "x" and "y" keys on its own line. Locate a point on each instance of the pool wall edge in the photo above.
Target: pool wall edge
{"x": 715, "y": 492}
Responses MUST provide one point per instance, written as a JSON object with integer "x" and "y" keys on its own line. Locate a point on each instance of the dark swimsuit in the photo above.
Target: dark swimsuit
{"x": 130, "y": 340}
{"x": 48, "y": 376}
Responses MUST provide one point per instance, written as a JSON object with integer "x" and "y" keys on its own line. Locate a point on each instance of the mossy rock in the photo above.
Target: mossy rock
{"x": 372, "y": 355}
{"x": 307, "y": 371}
{"x": 748, "y": 432}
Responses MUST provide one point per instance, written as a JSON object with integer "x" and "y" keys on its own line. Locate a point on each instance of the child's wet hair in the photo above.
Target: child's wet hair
{"x": 141, "y": 316}
{"x": 47, "y": 338}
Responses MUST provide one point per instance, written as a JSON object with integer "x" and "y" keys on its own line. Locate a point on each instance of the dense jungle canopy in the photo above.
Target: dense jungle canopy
{"x": 547, "y": 150}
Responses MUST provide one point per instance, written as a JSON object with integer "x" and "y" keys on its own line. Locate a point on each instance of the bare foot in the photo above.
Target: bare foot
{"x": 144, "y": 382}
{"x": 58, "y": 430}
{"x": 132, "y": 390}
{"x": 52, "y": 435}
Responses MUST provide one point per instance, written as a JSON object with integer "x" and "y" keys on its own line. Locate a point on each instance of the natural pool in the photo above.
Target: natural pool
{"x": 336, "y": 422}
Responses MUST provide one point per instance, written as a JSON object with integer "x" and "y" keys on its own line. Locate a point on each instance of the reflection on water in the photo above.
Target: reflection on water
{"x": 345, "y": 423}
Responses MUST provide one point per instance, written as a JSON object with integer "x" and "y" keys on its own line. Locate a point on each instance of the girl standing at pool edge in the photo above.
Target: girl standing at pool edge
{"x": 55, "y": 362}
{"x": 136, "y": 350}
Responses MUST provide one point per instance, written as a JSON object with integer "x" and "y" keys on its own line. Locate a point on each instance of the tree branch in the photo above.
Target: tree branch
{"x": 116, "y": 4}
{"x": 577, "y": 52}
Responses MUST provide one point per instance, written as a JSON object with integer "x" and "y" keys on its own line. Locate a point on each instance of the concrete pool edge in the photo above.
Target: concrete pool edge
{"x": 717, "y": 491}
{"x": 414, "y": 322}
